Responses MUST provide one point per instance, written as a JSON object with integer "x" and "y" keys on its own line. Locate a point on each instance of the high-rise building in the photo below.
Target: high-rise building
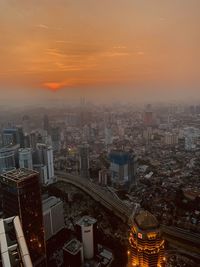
{"x": 26, "y": 124}
{"x": 22, "y": 197}
{"x": 46, "y": 123}
{"x": 55, "y": 137}
{"x": 104, "y": 177}
{"x": 122, "y": 167}
{"x": 84, "y": 160}
{"x": 53, "y": 216}
{"x": 191, "y": 135}
{"x": 148, "y": 116}
{"x": 146, "y": 242}
{"x": 25, "y": 158}
{"x": 13, "y": 247}
{"x": 33, "y": 140}
{"x": 7, "y": 158}
{"x": 73, "y": 254}
{"x": 13, "y": 136}
{"x": 86, "y": 229}
{"x": 45, "y": 157}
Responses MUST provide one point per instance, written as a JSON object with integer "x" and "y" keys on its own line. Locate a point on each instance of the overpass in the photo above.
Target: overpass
{"x": 190, "y": 242}
{"x": 115, "y": 205}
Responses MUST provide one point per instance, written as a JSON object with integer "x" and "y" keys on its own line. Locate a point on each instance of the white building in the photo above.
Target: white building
{"x": 53, "y": 216}
{"x": 86, "y": 230}
{"x": 191, "y": 135}
{"x": 25, "y": 158}
{"x": 17, "y": 250}
{"x": 45, "y": 156}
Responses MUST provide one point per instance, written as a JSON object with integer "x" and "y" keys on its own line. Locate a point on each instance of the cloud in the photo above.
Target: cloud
{"x": 55, "y": 52}
{"x": 42, "y": 26}
{"x": 46, "y": 27}
{"x": 120, "y": 47}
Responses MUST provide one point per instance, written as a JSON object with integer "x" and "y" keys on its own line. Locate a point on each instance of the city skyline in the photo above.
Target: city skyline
{"x": 118, "y": 50}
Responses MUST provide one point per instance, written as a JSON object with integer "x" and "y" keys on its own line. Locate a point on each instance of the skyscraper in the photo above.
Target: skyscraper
{"x": 25, "y": 158}
{"x": 22, "y": 197}
{"x": 122, "y": 167}
{"x": 146, "y": 242}
{"x": 45, "y": 157}
{"x": 46, "y": 123}
{"x": 84, "y": 160}
{"x": 7, "y": 159}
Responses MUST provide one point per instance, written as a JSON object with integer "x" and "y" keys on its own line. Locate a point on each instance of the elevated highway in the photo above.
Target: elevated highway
{"x": 97, "y": 193}
{"x": 178, "y": 237}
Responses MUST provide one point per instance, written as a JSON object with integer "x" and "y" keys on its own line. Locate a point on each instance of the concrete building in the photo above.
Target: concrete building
{"x": 86, "y": 229}
{"x": 123, "y": 167}
{"x": 45, "y": 158}
{"x": 73, "y": 254}
{"x": 53, "y": 216}
{"x": 84, "y": 160}
{"x": 42, "y": 170}
{"x": 13, "y": 247}
{"x": 22, "y": 197}
{"x": 170, "y": 139}
{"x": 191, "y": 135}
{"x": 104, "y": 177}
{"x": 25, "y": 158}
{"x": 146, "y": 242}
{"x": 8, "y": 158}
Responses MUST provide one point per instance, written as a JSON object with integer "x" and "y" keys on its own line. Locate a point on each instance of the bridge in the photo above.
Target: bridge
{"x": 115, "y": 205}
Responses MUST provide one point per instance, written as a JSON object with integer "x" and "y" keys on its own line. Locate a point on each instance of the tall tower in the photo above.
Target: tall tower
{"x": 45, "y": 156}
{"x": 86, "y": 228}
{"x": 25, "y": 158}
{"x": 46, "y": 123}
{"x": 84, "y": 160}
{"x": 22, "y": 197}
{"x": 146, "y": 243}
{"x": 7, "y": 159}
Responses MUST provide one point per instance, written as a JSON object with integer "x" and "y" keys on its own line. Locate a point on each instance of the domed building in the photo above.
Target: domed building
{"x": 146, "y": 242}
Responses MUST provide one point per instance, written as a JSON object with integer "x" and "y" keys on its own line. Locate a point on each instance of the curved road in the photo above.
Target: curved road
{"x": 123, "y": 211}
{"x": 106, "y": 199}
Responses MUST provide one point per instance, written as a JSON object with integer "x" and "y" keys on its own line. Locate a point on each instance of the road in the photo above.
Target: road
{"x": 115, "y": 205}
{"x": 120, "y": 209}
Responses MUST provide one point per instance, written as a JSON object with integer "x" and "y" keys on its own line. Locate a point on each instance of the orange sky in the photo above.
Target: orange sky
{"x": 96, "y": 43}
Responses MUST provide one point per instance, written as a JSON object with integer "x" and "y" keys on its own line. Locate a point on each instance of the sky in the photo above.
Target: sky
{"x": 101, "y": 49}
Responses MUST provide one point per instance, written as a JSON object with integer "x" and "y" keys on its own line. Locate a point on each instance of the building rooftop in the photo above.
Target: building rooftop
{"x": 18, "y": 175}
{"x": 73, "y": 246}
{"x": 146, "y": 221}
{"x": 50, "y": 202}
{"x": 86, "y": 221}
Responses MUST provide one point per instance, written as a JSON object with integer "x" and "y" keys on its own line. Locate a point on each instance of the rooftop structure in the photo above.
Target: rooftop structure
{"x": 146, "y": 221}
{"x": 146, "y": 242}
{"x": 22, "y": 197}
{"x": 14, "y": 251}
{"x": 73, "y": 246}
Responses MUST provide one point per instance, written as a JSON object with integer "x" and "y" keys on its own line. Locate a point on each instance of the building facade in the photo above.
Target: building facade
{"x": 86, "y": 229}
{"x": 25, "y": 158}
{"x": 146, "y": 242}
{"x": 22, "y": 197}
{"x": 53, "y": 216}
